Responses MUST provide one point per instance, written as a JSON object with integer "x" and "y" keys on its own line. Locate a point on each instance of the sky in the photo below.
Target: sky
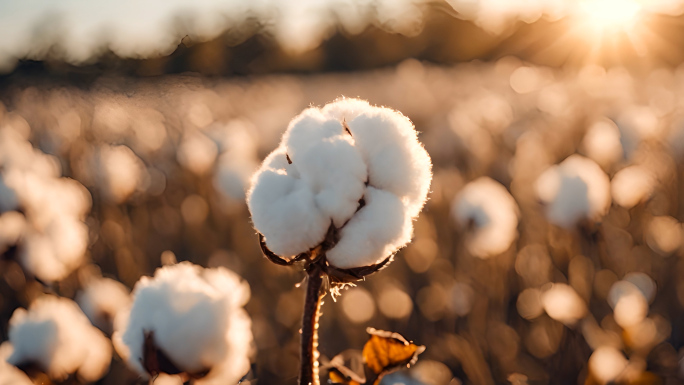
{"x": 79, "y": 31}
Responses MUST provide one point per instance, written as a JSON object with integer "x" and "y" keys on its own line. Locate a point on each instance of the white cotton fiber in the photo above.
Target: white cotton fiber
{"x": 632, "y": 185}
{"x": 55, "y": 335}
{"x": 576, "y": 188}
{"x": 101, "y": 300}
{"x": 196, "y": 319}
{"x": 329, "y": 161}
{"x": 9, "y": 374}
{"x": 491, "y": 210}
{"x": 378, "y": 229}
{"x": 50, "y": 233}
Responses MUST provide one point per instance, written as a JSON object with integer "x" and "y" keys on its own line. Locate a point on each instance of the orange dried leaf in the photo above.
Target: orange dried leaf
{"x": 386, "y": 351}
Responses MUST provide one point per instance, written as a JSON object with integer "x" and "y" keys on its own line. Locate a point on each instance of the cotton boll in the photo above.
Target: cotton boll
{"x": 632, "y": 185}
{"x": 54, "y": 334}
{"x": 562, "y": 303}
{"x": 607, "y": 363}
{"x": 197, "y": 153}
{"x": 629, "y": 303}
{"x": 331, "y": 162}
{"x": 9, "y": 374}
{"x": 101, "y": 300}
{"x": 644, "y": 283}
{"x": 121, "y": 171}
{"x": 576, "y": 188}
{"x": 232, "y": 175}
{"x": 327, "y": 160}
{"x": 346, "y": 109}
{"x": 491, "y": 210}
{"x": 8, "y": 197}
{"x": 12, "y": 226}
{"x": 602, "y": 143}
{"x": 194, "y": 317}
{"x": 375, "y": 232}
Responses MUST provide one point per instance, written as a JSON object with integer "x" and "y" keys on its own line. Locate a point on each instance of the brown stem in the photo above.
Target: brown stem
{"x": 308, "y": 373}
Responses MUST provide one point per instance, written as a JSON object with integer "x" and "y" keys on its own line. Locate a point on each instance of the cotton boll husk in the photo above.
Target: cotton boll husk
{"x": 493, "y": 212}
{"x": 9, "y": 374}
{"x": 57, "y": 336}
{"x": 375, "y": 232}
{"x": 197, "y": 319}
{"x": 101, "y": 300}
{"x": 574, "y": 189}
{"x": 562, "y": 303}
{"x": 632, "y": 185}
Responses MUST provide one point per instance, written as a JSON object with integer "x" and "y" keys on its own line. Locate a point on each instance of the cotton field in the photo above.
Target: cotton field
{"x": 344, "y": 203}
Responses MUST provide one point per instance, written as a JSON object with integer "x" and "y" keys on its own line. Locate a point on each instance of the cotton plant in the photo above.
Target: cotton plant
{"x": 488, "y": 210}
{"x": 339, "y": 195}
{"x": 40, "y": 212}
{"x": 190, "y": 321}
{"x": 576, "y": 189}
{"x": 54, "y": 337}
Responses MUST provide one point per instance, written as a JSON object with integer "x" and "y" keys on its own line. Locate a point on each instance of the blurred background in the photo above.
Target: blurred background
{"x": 161, "y": 110}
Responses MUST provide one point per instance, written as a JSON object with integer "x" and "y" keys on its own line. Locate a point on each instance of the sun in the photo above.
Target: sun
{"x": 607, "y": 15}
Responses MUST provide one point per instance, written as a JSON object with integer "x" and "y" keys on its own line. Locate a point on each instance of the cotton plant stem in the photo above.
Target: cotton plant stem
{"x": 308, "y": 374}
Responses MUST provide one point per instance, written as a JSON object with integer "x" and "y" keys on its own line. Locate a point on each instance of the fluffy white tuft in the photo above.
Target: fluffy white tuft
{"x": 196, "y": 318}
{"x": 329, "y": 160}
{"x": 576, "y": 188}
{"x": 9, "y": 374}
{"x": 632, "y": 185}
{"x": 50, "y": 234}
{"x": 101, "y": 300}
{"x": 491, "y": 210}
{"x": 54, "y": 334}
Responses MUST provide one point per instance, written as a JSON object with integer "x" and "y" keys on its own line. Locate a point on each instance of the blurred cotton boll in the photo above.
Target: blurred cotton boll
{"x": 606, "y": 364}
{"x": 664, "y": 235}
{"x": 562, "y": 303}
{"x": 602, "y": 143}
{"x": 51, "y": 236}
{"x": 55, "y": 335}
{"x": 121, "y": 172}
{"x": 349, "y": 165}
{"x": 10, "y": 374}
{"x": 191, "y": 316}
{"x": 101, "y": 300}
{"x": 575, "y": 189}
{"x": 487, "y": 207}
{"x": 629, "y": 303}
{"x": 197, "y": 153}
{"x": 632, "y": 185}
